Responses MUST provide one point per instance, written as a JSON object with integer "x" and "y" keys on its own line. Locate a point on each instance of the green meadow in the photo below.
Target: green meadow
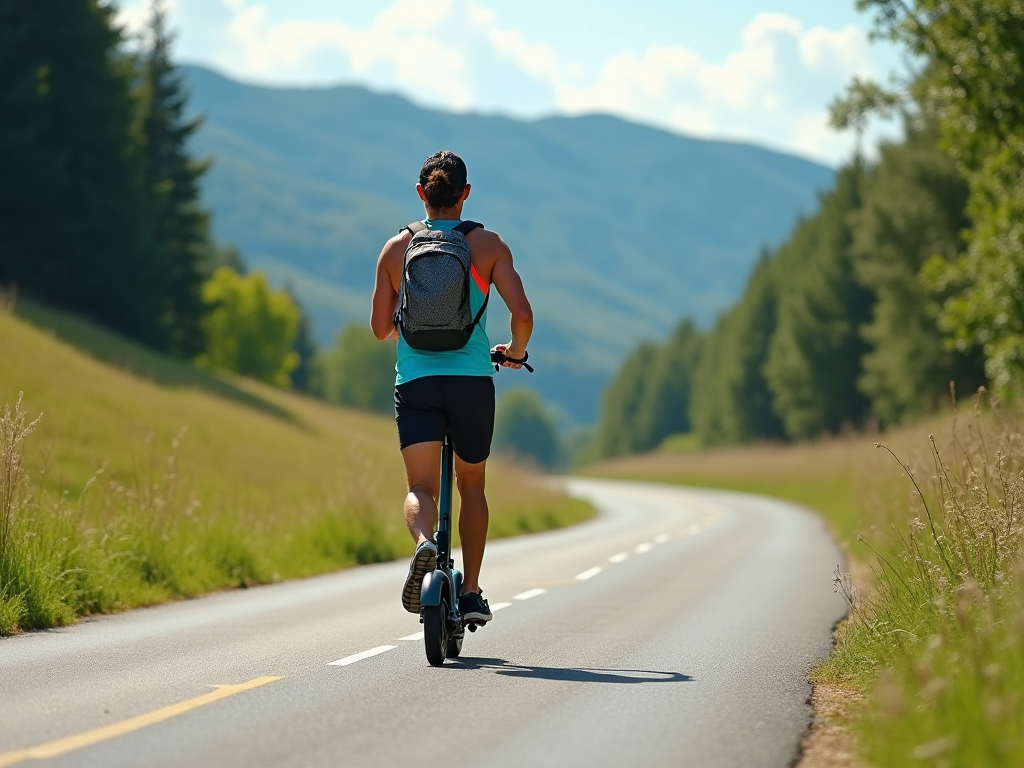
{"x": 129, "y": 478}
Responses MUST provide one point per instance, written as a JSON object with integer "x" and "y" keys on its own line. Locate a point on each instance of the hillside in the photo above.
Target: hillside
{"x": 619, "y": 229}
{"x": 179, "y": 480}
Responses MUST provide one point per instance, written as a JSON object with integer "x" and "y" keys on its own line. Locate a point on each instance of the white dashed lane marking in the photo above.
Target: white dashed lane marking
{"x": 529, "y": 594}
{"x": 361, "y": 655}
{"x": 588, "y": 574}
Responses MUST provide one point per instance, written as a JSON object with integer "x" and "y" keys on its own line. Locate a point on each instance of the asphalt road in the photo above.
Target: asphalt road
{"x": 676, "y": 629}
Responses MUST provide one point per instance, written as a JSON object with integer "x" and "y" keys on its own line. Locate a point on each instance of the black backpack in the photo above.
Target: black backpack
{"x": 433, "y": 305}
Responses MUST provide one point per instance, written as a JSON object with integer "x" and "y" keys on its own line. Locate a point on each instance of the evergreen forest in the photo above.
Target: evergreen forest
{"x": 100, "y": 203}
{"x": 907, "y": 282}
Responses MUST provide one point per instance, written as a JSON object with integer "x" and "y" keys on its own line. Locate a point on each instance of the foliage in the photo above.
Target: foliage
{"x": 971, "y": 85}
{"x": 250, "y": 329}
{"x": 359, "y": 371}
{"x": 731, "y": 401}
{"x": 524, "y": 428}
{"x": 914, "y": 209}
{"x": 119, "y": 506}
{"x": 623, "y": 401}
{"x": 305, "y": 349}
{"x": 99, "y": 199}
{"x": 666, "y": 410}
{"x": 172, "y": 176}
{"x": 649, "y": 399}
{"x": 836, "y": 324}
{"x": 815, "y": 352}
{"x": 76, "y": 218}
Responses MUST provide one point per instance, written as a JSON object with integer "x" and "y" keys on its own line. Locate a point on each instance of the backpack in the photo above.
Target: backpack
{"x": 433, "y": 304}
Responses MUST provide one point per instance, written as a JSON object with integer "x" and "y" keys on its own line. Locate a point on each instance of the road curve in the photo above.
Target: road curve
{"x": 675, "y": 629}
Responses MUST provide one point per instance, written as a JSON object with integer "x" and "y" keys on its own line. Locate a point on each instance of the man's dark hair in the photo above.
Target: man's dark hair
{"x": 443, "y": 178}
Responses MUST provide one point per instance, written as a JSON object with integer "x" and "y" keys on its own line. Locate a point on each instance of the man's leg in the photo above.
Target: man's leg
{"x": 473, "y": 518}
{"x": 423, "y": 474}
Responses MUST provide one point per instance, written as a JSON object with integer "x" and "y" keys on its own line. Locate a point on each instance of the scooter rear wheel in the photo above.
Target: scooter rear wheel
{"x": 435, "y": 638}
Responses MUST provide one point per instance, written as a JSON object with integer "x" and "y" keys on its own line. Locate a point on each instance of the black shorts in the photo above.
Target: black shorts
{"x": 463, "y": 406}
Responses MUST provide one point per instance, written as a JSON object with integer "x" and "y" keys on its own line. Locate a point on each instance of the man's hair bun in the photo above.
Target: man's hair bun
{"x": 443, "y": 178}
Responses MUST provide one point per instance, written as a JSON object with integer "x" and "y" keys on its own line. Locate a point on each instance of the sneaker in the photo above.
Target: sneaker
{"x": 474, "y": 608}
{"x": 424, "y": 560}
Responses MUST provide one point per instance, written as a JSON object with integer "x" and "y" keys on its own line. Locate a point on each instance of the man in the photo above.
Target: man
{"x": 449, "y": 392}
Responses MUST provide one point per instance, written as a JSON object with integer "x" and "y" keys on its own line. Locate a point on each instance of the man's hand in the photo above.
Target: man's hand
{"x": 509, "y": 351}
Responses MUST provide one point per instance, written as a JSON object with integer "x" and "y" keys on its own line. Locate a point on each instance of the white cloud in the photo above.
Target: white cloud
{"x": 134, "y": 17}
{"x": 773, "y": 89}
{"x": 455, "y": 54}
{"x": 444, "y": 53}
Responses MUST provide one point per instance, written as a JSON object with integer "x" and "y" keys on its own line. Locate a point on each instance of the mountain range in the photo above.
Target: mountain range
{"x": 618, "y": 229}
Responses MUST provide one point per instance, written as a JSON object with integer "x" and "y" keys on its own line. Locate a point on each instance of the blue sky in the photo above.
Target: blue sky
{"x": 742, "y": 69}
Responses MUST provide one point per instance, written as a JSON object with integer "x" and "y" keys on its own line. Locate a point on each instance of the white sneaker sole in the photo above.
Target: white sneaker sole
{"x": 424, "y": 561}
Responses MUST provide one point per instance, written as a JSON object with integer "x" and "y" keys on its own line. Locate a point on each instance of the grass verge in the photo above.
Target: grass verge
{"x": 147, "y": 480}
{"x": 937, "y": 641}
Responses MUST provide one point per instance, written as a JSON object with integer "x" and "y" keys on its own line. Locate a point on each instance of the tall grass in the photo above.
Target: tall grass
{"x": 111, "y": 504}
{"x": 14, "y": 582}
{"x": 935, "y": 638}
{"x": 940, "y": 641}
{"x": 125, "y": 543}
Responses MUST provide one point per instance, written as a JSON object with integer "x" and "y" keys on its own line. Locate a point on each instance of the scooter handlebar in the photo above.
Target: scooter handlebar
{"x": 498, "y": 357}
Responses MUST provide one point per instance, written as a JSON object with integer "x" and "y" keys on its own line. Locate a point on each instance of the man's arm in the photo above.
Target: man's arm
{"x": 385, "y": 297}
{"x": 510, "y": 287}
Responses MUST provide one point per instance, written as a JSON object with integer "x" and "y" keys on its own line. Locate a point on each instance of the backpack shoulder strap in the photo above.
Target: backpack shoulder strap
{"x": 414, "y": 228}
{"x": 466, "y": 227}
{"x": 480, "y": 312}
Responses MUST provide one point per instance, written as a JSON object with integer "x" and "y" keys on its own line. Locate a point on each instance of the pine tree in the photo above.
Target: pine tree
{"x": 664, "y": 405}
{"x": 74, "y": 215}
{"x": 710, "y": 411}
{"x": 914, "y": 209}
{"x": 814, "y": 357}
{"x": 731, "y": 401}
{"x": 623, "y": 402}
{"x": 181, "y": 225}
{"x": 746, "y": 389}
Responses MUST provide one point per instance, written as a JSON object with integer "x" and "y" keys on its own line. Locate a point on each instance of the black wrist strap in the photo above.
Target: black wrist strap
{"x": 500, "y": 357}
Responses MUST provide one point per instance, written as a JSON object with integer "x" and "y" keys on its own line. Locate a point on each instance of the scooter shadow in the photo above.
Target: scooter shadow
{"x": 568, "y": 674}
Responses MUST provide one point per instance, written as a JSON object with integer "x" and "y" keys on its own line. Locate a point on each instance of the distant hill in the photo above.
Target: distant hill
{"x": 618, "y": 229}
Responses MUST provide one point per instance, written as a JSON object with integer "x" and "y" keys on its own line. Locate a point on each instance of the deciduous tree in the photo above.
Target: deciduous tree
{"x": 359, "y": 371}
{"x": 250, "y": 329}
{"x": 524, "y": 427}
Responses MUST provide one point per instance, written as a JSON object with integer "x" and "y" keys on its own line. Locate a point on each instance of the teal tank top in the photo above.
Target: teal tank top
{"x": 474, "y": 359}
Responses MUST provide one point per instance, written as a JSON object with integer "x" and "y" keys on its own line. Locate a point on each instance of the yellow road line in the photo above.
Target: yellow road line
{"x": 71, "y": 743}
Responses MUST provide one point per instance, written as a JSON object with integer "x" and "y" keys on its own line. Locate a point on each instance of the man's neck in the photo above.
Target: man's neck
{"x": 445, "y": 214}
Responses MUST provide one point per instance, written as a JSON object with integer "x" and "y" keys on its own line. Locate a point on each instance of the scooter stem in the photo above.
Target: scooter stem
{"x": 444, "y": 505}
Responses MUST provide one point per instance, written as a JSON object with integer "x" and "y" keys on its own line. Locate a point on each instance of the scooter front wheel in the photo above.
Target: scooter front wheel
{"x": 435, "y": 638}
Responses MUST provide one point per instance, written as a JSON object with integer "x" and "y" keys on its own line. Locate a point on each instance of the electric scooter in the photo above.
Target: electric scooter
{"x": 444, "y": 629}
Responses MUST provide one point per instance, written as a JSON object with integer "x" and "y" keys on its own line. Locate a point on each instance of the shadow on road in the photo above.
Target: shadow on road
{"x": 569, "y": 674}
